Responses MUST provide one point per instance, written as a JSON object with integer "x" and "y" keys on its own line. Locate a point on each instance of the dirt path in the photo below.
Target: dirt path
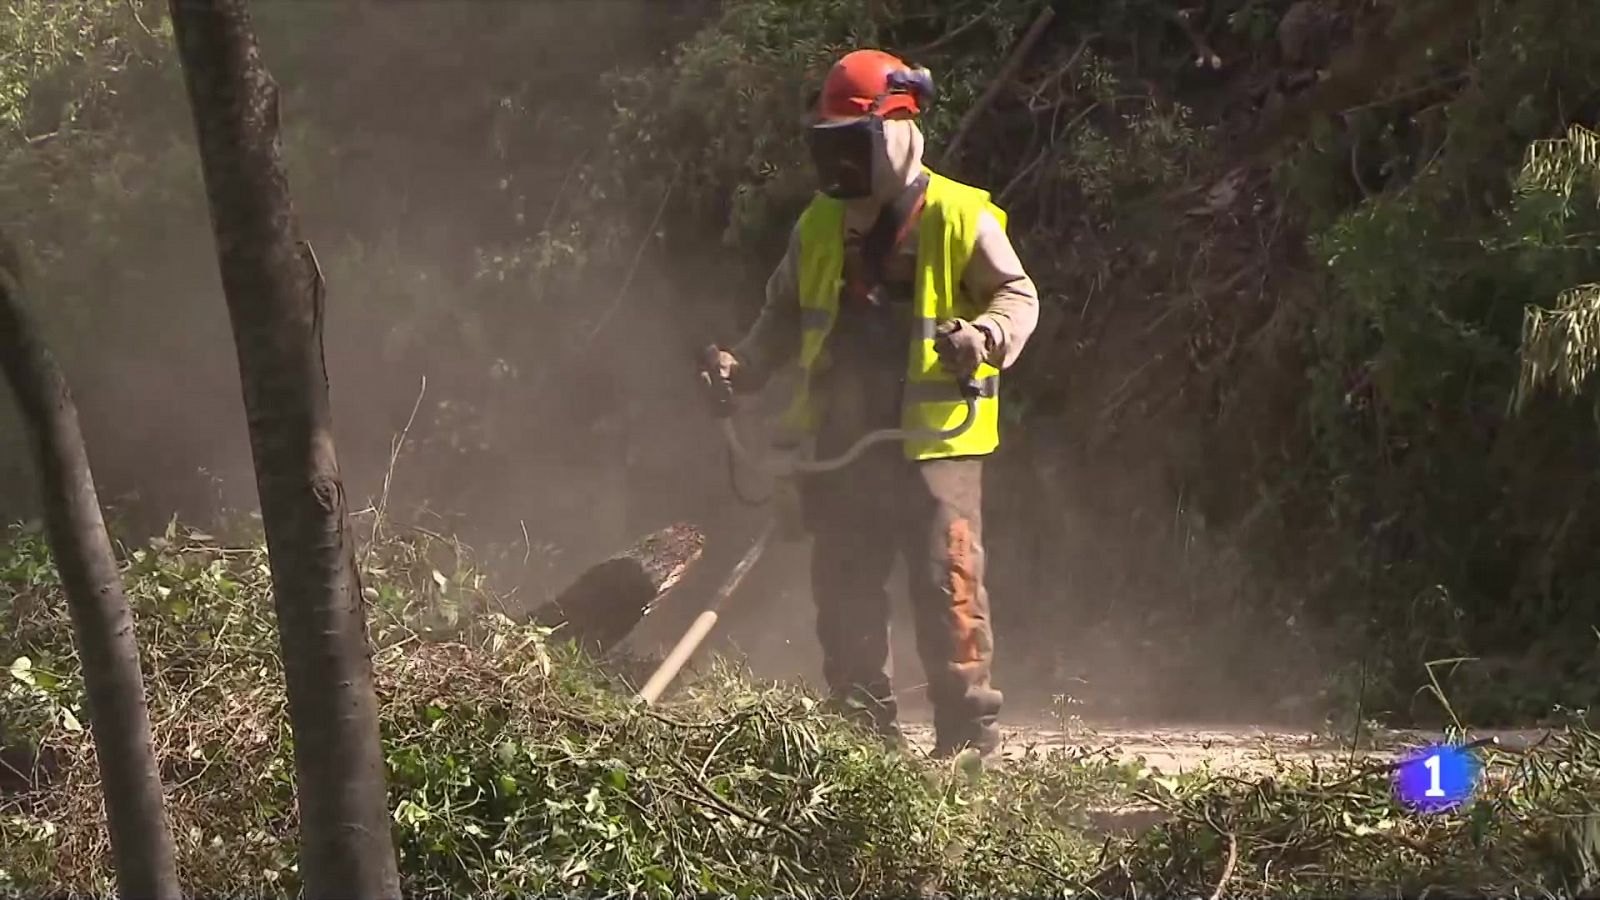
{"x": 1172, "y": 749}
{"x": 776, "y": 644}
{"x": 1177, "y": 748}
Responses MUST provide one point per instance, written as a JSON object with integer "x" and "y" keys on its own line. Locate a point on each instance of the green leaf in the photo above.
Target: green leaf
{"x": 1482, "y": 819}
{"x": 69, "y": 721}
{"x": 409, "y": 813}
{"x": 22, "y": 670}
{"x": 574, "y": 869}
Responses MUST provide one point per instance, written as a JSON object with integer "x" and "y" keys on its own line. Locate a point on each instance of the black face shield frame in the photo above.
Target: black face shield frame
{"x": 844, "y": 153}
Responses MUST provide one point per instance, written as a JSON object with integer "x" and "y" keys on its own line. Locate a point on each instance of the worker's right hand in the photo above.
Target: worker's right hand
{"x": 717, "y": 368}
{"x": 727, "y": 364}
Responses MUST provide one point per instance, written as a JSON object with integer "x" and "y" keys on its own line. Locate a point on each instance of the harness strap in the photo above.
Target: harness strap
{"x": 888, "y": 234}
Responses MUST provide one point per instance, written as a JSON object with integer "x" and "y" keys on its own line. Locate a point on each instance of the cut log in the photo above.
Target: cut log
{"x": 602, "y": 607}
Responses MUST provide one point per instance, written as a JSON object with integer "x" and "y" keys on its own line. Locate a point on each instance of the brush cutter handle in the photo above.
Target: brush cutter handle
{"x": 885, "y": 435}
{"x": 970, "y": 392}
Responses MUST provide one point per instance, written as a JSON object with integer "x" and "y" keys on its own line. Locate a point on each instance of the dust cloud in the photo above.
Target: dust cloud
{"x": 434, "y": 150}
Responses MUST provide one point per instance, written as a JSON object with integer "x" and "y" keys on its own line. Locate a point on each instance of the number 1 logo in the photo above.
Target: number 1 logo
{"x": 1437, "y": 779}
{"x": 1434, "y": 788}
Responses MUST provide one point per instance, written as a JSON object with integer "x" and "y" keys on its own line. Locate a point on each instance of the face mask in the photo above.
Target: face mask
{"x": 843, "y": 156}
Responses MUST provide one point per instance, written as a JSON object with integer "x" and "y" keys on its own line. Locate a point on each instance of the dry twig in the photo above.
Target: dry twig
{"x": 1007, "y": 72}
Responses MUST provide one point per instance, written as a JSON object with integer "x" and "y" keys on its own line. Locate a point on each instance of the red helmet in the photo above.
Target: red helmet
{"x": 872, "y": 82}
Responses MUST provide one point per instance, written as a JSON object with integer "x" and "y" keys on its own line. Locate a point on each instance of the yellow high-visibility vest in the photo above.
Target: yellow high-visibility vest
{"x": 932, "y": 398}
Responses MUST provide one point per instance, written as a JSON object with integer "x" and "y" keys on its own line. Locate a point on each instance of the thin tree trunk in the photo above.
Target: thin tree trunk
{"x": 102, "y": 626}
{"x": 274, "y": 294}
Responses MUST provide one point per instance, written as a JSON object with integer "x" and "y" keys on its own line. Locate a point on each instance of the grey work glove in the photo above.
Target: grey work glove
{"x": 962, "y": 347}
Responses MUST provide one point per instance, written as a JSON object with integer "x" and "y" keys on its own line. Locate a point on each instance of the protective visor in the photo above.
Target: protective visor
{"x": 842, "y": 153}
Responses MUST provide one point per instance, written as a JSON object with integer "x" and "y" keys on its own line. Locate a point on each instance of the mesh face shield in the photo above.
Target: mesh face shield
{"x": 843, "y": 154}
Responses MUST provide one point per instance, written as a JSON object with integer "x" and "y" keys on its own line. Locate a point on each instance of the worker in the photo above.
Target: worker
{"x": 891, "y": 257}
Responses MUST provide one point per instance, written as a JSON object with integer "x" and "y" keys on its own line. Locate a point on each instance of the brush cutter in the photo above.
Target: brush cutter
{"x": 780, "y": 466}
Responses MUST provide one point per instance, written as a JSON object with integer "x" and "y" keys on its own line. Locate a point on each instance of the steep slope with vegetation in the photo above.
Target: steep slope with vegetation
{"x": 1272, "y": 393}
{"x": 1269, "y": 406}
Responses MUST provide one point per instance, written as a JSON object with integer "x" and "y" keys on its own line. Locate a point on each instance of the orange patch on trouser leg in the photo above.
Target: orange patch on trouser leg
{"x": 966, "y": 617}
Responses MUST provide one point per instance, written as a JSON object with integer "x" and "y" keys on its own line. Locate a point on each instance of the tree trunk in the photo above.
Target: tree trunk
{"x": 274, "y": 287}
{"x": 102, "y": 626}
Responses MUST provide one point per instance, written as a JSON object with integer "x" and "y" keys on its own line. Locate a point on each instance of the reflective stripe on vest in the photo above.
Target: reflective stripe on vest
{"x": 932, "y": 399}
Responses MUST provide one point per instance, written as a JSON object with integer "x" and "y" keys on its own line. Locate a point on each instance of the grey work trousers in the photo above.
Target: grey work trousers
{"x": 861, "y": 518}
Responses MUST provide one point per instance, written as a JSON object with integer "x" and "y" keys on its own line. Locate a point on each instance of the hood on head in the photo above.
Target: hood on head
{"x": 900, "y": 162}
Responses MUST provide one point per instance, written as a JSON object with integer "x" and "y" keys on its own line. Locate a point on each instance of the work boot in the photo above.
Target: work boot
{"x": 983, "y": 740}
{"x": 966, "y": 759}
{"x": 873, "y": 716}
{"x": 895, "y": 739}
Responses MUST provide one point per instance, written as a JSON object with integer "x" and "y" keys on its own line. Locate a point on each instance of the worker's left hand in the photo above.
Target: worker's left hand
{"x": 962, "y": 347}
